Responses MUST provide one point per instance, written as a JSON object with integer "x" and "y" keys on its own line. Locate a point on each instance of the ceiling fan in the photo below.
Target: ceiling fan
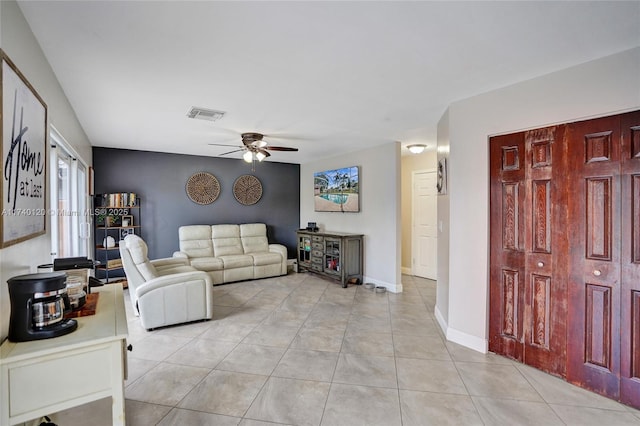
{"x": 255, "y": 147}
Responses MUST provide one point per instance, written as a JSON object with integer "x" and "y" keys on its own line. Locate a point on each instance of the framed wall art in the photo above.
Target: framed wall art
{"x": 337, "y": 190}
{"x": 24, "y": 157}
{"x": 441, "y": 184}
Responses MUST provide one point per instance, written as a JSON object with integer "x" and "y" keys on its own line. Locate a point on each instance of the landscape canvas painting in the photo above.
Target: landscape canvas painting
{"x": 337, "y": 190}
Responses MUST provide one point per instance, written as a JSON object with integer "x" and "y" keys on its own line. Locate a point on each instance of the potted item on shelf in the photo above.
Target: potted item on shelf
{"x": 107, "y": 219}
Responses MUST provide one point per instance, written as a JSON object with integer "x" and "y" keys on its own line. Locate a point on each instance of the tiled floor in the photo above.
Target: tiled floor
{"x": 299, "y": 350}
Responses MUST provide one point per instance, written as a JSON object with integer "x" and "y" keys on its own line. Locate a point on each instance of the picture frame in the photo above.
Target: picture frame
{"x": 125, "y": 231}
{"x": 441, "y": 184}
{"x": 128, "y": 219}
{"x": 23, "y": 140}
{"x": 337, "y": 190}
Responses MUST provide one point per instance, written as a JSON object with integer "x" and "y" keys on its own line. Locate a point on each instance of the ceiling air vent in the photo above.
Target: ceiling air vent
{"x": 205, "y": 114}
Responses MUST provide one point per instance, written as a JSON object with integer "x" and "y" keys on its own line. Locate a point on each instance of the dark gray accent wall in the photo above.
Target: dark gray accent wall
{"x": 159, "y": 179}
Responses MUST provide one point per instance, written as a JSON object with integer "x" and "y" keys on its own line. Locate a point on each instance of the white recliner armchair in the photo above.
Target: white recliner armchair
{"x": 164, "y": 291}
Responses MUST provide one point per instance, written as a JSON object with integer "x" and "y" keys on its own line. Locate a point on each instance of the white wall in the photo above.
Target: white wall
{"x": 20, "y": 45}
{"x": 442, "y": 290}
{"x": 602, "y": 87}
{"x": 379, "y": 217}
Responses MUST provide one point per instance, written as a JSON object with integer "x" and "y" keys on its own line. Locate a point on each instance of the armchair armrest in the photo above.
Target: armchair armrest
{"x": 169, "y": 280}
{"x": 170, "y": 261}
{"x": 181, "y": 255}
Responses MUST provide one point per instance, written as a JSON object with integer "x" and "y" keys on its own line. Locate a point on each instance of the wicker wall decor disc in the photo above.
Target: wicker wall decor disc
{"x": 247, "y": 189}
{"x": 203, "y": 188}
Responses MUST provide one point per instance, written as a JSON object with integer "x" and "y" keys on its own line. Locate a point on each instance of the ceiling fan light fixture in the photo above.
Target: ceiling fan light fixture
{"x": 248, "y": 156}
{"x": 416, "y": 148}
{"x": 260, "y": 156}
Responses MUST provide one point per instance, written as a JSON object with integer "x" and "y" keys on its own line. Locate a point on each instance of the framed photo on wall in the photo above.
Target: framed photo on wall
{"x": 24, "y": 157}
{"x": 337, "y": 190}
{"x": 442, "y": 176}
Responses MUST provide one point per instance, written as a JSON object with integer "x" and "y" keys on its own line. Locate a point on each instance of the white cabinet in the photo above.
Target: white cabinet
{"x": 42, "y": 377}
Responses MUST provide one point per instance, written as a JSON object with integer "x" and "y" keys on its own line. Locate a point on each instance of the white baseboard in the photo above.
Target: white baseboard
{"x": 467, "y": 340}
{"x": 459, "y": 337}
{"x": 441, "y": 321}
{"x": 393, "y": 288}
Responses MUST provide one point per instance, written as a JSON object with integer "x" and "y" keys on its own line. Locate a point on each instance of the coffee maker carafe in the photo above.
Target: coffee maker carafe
{"x": 37, "y": 307}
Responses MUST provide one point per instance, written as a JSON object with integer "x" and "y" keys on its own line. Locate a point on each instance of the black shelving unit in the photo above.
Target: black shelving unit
{"x": 117, "y": 215}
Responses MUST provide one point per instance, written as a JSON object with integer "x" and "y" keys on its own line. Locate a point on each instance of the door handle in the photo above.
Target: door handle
{"x": 540, "y": 264}
{"x": 597, "y": 272}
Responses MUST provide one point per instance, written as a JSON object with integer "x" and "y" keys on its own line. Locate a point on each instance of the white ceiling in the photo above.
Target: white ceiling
{"x": 325, "y": 77}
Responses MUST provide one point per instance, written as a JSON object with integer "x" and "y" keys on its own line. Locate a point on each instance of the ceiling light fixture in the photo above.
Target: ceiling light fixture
{"x": 248, "y": 156}
{"x": 416, "y": 148}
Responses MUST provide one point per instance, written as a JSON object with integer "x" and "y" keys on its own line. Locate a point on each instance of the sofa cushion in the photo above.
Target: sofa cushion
{"x": 269, "y": 258}
{"x": 195, "y": 240}
{"x": 254, "y": 238}
{"x": 226, "y": 240}
{"x": 207, "y": 264}
{"x": 236, "y": 261}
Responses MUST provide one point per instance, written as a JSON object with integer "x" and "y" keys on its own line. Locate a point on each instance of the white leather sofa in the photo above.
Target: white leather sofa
{"x": 164, "y": 291}
{"x": 232, "y": 252}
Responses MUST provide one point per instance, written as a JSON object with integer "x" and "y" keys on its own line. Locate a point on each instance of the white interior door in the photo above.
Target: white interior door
{"x": 425, "y": 217}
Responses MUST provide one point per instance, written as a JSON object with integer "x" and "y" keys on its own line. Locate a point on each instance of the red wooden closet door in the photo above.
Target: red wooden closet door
{"x": 507, "y": 255}
{"x": 630, "y": 279}
{"x": 594, "y": 283}
{"x": 545, "y": 310}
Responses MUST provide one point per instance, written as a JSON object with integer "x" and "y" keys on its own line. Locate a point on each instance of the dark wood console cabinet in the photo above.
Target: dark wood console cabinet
{"x": 331, "y": 254}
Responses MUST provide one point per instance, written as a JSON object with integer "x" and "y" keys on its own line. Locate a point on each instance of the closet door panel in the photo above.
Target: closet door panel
{"x": 594, "y": 283}
{"x": 630, "y": 260}
{"x": 545, "y": 286}
{"x": 507, "y": 257}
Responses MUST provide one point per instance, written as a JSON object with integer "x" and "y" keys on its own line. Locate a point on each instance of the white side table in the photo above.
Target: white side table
{"x": 42, "y": 377}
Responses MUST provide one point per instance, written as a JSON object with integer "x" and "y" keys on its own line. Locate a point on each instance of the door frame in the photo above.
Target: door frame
{"x": 414, "y": 240}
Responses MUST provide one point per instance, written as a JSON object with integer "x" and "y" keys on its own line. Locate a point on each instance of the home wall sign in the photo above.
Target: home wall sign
{"x": 24, "y": 157}
{"x": 247, "y": 189}
{"x": 203, "y": 188}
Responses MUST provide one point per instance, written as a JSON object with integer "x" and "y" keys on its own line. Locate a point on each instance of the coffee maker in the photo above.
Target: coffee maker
{"x": 37, "y": 307}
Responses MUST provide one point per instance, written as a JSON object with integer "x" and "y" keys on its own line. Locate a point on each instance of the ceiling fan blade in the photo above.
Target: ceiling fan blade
{"x": 222, "y": 144}
{"x": 284, "y": 136}
{"x": 280, "y": 148}
{"x": 231, "y": 152}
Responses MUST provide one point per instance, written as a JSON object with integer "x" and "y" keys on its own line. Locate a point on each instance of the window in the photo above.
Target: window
{"x": 70, "y": 207}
